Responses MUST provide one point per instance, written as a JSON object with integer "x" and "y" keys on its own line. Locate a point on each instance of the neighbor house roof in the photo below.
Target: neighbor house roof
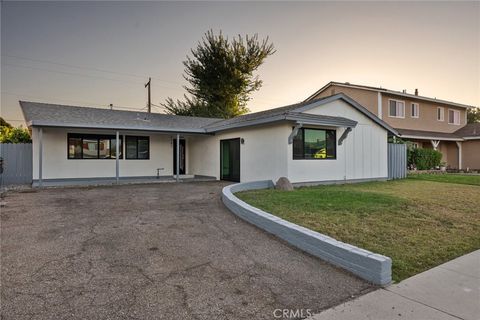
{"x": 471, "y": 130}
{"x": 428, "y": 135}
{"x": 51, "y": 115}
{"x": 388, "y": 91}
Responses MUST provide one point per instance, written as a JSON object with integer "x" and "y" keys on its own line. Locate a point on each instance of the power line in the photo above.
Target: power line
{"x": 73, "y": 101}
{"x": 83, "y": 75}
{"x": 88, "y": 68}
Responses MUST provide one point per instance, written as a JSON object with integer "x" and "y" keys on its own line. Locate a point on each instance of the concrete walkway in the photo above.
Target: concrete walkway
{"x": 449, "y": 291}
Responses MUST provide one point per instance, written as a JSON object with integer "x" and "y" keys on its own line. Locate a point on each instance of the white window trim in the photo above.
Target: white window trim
{"x": 389, "y": 108}
{"x": 418, "y": 110}
{"x": 442, "y": 118}
{"x": 458, "y": 111}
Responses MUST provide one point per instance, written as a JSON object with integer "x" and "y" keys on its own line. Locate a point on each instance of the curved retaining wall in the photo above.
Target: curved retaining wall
{"x": 370, "y": 266}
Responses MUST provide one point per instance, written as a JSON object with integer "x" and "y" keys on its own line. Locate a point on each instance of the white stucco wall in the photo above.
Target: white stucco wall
{"x": 262, "y": 156}
{"x": 363, "y": 154}
{"x": 265, "y": 154}
{"x": 56, "y": 165}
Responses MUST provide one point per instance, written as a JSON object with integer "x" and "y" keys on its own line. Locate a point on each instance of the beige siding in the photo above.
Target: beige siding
{"x": 471, "y": 154}
{"x": 366, "y": 98}
{"x": 427, "y": 120}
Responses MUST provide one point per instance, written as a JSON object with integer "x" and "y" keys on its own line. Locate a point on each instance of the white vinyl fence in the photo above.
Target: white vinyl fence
{"x": 397, "y": 161}
{"x": 16, "y": 163}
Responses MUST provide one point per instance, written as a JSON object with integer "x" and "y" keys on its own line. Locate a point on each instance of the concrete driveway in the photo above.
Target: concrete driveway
{"x": 163, "y": 251}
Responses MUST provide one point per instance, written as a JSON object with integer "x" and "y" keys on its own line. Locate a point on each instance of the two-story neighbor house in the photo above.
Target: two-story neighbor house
{"x": 426, "y": 122}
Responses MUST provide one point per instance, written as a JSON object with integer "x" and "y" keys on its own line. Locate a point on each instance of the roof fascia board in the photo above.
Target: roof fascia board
{"x": 79, "y": 126}
{"x": 330, "y": 122}
{"x": 471, "y": 138}
{"x": 430, "y": 138}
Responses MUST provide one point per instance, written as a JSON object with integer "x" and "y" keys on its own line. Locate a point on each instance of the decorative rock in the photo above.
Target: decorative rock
{"x": 284, "y": 184}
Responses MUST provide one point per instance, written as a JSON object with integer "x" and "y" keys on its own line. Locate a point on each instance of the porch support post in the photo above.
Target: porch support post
{"x": 177, "y": 155}
{"x": 459, "y": 145}
{"x": 117, "y": 158}
{"x": 40, "y": 156}
{"x": 435, "y": 144}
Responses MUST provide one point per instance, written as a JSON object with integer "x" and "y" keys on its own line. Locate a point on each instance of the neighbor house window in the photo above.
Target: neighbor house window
{"x": 137, "y": 147}
{"x": 314, "y": 144}
{"x": 396, "y": 108}
{"x": 440, "y": 114}
{"x": 415, "y": 110}
{"x": 90, "y": 146}
{"x": 453, "y": 116}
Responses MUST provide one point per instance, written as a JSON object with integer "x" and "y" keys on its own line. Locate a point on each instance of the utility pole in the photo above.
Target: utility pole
{"x": 149, "y": 97}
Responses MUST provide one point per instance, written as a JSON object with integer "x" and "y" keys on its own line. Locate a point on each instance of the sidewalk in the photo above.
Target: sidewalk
{"x": 449, "y": 291}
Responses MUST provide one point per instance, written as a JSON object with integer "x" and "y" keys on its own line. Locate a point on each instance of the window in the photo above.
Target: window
{"x": 90, "y": 146}
{"x": 314, "y": 144}
{"x": 396, "y": 108}
{"x": 453, "y": 116}
{"x": 440, "y": 114}
{"x": 137, "y": 147}
{"x": 415, "y": 110}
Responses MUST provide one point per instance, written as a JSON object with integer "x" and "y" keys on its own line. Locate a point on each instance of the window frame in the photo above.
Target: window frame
{"x": 136, "y": 140}
{"x": 416, "y": 106}
{"x": 97, "y": 137}
{"x": 442, "y": 113}
{"x": 303, "y": 147}
{"x": 454, "y": 111}
{"x": 396, "y": 101}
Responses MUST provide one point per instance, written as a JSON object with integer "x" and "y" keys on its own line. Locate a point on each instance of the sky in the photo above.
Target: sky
{"x": 97, "y": 53}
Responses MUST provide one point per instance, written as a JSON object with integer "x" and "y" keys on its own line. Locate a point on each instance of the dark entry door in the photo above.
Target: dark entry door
{"x": 230, "y": 160}
{"x": 181, "y": 156}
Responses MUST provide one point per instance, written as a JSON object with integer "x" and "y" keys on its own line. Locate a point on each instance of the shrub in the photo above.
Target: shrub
{"x": 423, "y": 159}
{"x": 14, "y": 135}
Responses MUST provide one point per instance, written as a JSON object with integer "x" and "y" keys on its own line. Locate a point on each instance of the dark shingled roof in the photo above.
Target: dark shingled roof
{"x": 470, "y": 130}
{"x": 43, "y": 114}
{"x": 430, "y": 134}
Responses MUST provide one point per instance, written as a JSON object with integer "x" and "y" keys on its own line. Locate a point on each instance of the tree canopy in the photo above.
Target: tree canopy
{"x": 473, "y": 115}
{"x": 221, "y": 76}
{"x": 4, "y": 123}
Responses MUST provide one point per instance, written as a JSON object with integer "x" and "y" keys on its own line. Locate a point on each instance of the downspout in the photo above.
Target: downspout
{"x": 459, "y": 145}
{"x": 379, "y": 105}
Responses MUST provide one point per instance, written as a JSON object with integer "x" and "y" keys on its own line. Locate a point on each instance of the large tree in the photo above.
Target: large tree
{"x": 221, "y": 76}
{"x": 473, "y": 115}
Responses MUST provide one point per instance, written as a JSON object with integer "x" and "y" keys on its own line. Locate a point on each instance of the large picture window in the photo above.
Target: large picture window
{"x": 90, "y": 146}
{"x": 315, "y": 144}
{"x": 137, "y": 147}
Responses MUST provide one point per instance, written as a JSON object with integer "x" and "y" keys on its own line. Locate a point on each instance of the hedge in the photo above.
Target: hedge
{"x": 423, "y": 159}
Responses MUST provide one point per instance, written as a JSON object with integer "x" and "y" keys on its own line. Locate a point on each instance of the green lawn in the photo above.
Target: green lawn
{"x": 419, "y": 224}
{"x": 449, "y": 178}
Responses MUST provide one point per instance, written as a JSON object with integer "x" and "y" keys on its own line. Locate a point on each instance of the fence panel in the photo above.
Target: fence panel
{"x": 397, "y": 161}
{"x": 17, "y": 163}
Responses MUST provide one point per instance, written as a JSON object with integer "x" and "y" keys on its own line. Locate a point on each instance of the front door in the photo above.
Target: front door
{"x": 181, "y": 156}
{"x": 230, "y": 160}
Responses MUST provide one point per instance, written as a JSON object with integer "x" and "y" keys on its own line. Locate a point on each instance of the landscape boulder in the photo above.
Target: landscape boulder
{"x": 284, "y": 184}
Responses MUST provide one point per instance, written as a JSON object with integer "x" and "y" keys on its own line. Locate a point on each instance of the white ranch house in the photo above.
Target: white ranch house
{"x": 333, "y": 139}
